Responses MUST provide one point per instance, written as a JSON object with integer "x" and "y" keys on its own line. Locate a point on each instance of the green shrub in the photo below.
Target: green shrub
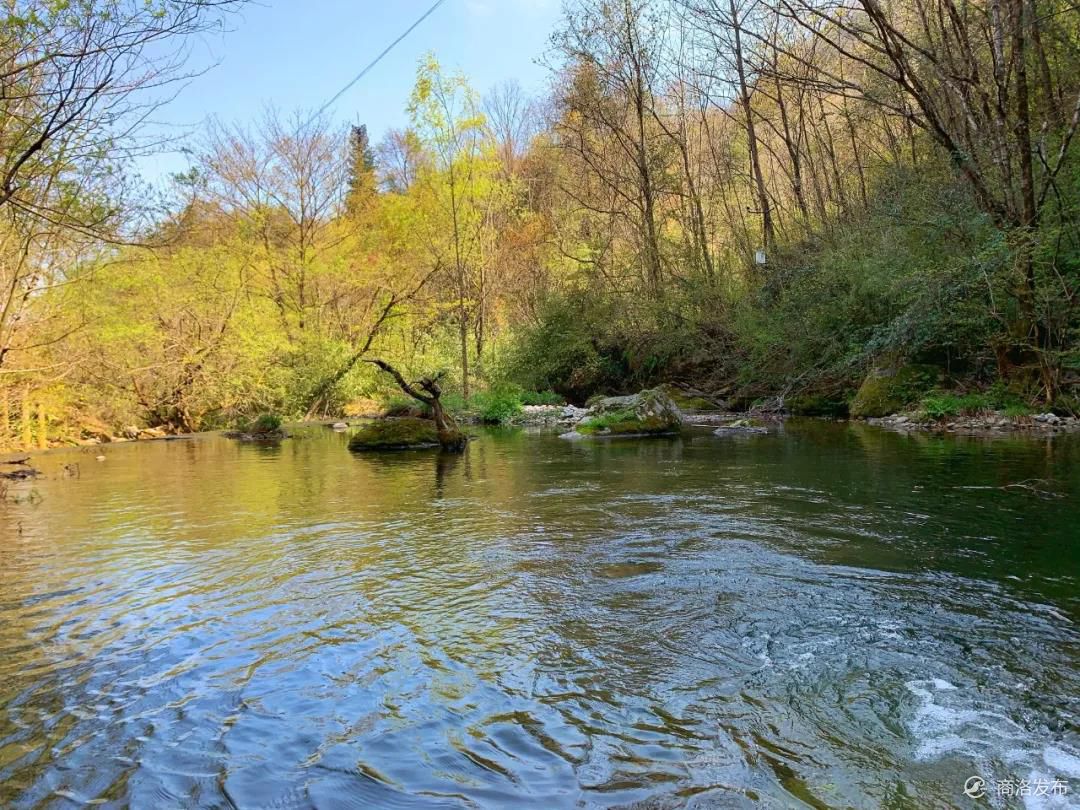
{"x": 946, "y": 404}
{"x": 266, "y": 424}
{"x": 542, "y": 398}
{"x": 1014, "y": 411}
{"x": 496, "y": 407}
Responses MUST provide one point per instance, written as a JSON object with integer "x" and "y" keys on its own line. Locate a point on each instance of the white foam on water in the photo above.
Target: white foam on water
{"x": 1065, "y": 763}
{"x": 946, "y": 722}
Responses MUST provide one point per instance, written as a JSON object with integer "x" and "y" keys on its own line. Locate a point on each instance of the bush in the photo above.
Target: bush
{"x": 496, "y": 407}
{"x": 946, "y": 404}
{"x": 267, "y": 424}
{"x": 542, "y": 398}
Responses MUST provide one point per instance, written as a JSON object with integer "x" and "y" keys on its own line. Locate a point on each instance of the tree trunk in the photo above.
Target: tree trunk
{"x": 751, "y": 134}
{"x": 5, "y": 415}
{"x": 428, "y": 391}
{"x": 27, "y": 422}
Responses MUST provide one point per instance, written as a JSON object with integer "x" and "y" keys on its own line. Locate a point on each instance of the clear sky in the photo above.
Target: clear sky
{"x": 296, "y": 54}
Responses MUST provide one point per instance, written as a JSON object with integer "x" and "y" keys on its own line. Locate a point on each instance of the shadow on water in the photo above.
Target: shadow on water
{"x": 826, "y": 616}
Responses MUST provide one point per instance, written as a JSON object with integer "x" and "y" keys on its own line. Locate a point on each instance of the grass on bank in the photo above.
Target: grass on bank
{"x": 940, "y": 405}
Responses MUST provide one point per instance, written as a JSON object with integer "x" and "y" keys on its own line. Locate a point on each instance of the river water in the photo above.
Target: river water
{"x": 829, "y": 616}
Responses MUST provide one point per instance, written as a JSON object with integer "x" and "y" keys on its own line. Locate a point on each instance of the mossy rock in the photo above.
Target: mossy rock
{"x": 887, "y": 391}
{"x": 407, "y": 433}
{"x": 817, "y": 405}
{"x": 689, "y": 402}
{"x": 650, "y": 412}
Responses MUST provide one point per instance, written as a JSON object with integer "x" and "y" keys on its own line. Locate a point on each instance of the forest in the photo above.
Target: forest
{"x": 761, "y": 201}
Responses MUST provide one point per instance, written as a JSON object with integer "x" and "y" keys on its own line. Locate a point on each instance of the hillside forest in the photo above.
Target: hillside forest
{"x": 760, "y": 201}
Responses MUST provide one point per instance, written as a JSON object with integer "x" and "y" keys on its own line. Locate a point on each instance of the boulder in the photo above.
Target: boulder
{"x": 572, "y": 413}
{"x": 406, "y": 433}
{"x": 888, "y": 390}
{"x": 692, "y": 400}
{"x": 648, "y": 413}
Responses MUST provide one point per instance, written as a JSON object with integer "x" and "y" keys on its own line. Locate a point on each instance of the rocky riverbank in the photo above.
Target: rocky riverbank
{"x": 992, "y": 422}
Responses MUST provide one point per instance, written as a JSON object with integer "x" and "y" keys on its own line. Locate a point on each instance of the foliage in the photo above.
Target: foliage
{"x": 265, "y": 423}
{"x": 401, "y": 405}
{"x": 608, "y": 245}
{"x": 548, "y": 397}
{"x": 497, "y": 407}
{"x": 945, "y": 404}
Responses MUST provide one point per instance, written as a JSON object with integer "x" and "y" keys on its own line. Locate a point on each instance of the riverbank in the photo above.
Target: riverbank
{"x": 992, "y": 423}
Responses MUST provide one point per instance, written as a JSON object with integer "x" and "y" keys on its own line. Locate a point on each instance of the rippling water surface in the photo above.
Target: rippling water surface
{"x": 833, "y": 616}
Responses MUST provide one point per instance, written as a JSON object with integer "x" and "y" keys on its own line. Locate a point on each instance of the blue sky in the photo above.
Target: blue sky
{"x": 297, "y": 55}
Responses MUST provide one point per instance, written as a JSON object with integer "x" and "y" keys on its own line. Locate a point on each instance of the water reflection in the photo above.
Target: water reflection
{"x": 831, "y": 616}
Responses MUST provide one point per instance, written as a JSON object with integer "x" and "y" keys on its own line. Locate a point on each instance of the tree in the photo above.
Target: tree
{"x": 362, "y": 182}
{"x": 610, "y": 64}
{"x": 460, "y": 189}
{"x": 965, "y": 70}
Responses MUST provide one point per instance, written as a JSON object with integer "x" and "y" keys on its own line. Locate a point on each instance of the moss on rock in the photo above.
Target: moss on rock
{"x": 886, "y": 391}
{"x": 688, "y": 402}
{"x": 650, "y": 412}
{"x": 407, "y": 433}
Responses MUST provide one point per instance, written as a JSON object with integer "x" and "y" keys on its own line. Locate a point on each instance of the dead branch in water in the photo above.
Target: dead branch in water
{"x": 428, "y": 391}
{"x": 1040, "y": 487}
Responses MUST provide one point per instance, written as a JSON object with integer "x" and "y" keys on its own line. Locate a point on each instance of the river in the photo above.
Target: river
{"x": 828, "y": 616}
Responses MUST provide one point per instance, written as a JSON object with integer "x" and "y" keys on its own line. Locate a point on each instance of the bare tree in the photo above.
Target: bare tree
{"x": 512, "y": 121}
{"x": 79, "y": 81}
{"x": 964, "y": 69}
{"x": 398, "y": 157}
{"x": 288, "y": 180}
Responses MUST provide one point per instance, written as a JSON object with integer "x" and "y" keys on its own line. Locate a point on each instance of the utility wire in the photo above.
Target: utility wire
{"x": 376, "y": 60}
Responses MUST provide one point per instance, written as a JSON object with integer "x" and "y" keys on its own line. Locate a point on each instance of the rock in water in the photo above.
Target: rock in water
{"x": 888, "y": 390}
{"x": 407, "y": 433}
{"x": 739, "y": 426}
{"x": 648, "y": 413}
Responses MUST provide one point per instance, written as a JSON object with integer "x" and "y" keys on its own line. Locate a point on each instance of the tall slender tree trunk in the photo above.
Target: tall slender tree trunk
{"x": 648, "y": 191}
{"x": 5, "y": 414}
{"x": 751, "y": 134}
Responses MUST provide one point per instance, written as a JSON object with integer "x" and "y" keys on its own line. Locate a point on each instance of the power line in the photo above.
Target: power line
{"x": 377, "y": 59}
